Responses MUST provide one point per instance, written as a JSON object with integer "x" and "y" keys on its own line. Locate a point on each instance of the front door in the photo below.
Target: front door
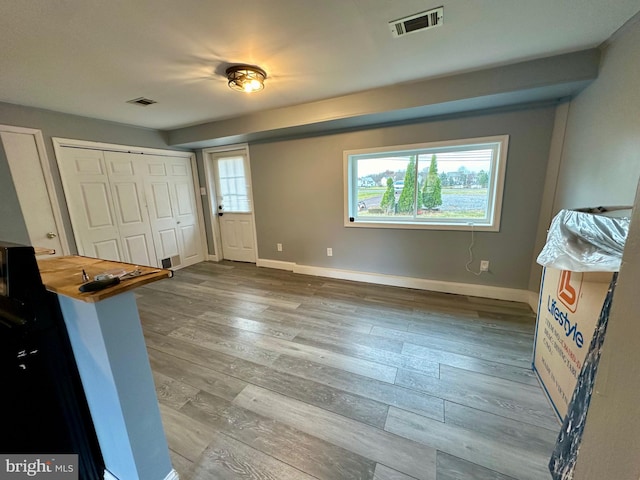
{"x": 234, "y": 205}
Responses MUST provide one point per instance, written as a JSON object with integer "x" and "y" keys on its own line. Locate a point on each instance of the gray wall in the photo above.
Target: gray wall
{"x": 601, "y": 165}
{"x": 298, "y": 196}
{"x": 53, "y": 124}
{"x": 601, "y": 159}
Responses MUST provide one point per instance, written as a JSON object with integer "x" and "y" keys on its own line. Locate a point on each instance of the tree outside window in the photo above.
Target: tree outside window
{"x": 444, "y": 185}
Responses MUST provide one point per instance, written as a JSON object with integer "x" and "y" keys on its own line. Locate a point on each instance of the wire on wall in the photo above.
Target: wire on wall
{"x": 478, "y": 273}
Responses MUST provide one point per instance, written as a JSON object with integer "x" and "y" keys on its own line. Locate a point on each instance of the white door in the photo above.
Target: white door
{"x": 126, "y": 179}
{"x": 133, "y": 207}
{"x": 24, "y": 149}
{"x": 90, "y": 202}
{"x": 234, "y": 205}
{"x": 172, "y": 210}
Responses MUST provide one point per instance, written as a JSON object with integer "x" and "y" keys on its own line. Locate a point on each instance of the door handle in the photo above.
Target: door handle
{"x": 51, "y": 235}
{"x": 220, "y": 214}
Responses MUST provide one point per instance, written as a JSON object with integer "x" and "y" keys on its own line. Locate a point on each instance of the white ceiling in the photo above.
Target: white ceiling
{"x": 88, "y": 57}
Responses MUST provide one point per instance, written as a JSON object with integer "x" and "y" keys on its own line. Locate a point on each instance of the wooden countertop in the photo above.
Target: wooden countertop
{"x": 63, "y": 275}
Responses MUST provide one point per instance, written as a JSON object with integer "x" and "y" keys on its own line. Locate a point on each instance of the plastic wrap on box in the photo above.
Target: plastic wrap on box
{"x": 583, "y": 242}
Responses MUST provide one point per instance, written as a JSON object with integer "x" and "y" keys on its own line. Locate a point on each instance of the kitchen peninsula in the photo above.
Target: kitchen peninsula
{"x": 106, "y": 337}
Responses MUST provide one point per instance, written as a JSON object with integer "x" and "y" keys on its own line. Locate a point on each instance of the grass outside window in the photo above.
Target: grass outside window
{"x": 444, "y": 185}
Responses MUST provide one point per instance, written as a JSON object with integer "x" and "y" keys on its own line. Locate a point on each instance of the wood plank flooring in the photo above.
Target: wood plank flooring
{"x": 263, "y": 374}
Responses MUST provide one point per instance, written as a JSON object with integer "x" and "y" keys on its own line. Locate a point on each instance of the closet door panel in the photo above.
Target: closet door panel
{"x": 132, "y": 207}
{"x": 90, "y": 202}
{"x": 126, "y": 178}
{"x": 185, "y": 203}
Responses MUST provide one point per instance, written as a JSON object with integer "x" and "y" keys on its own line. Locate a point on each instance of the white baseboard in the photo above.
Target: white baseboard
{"x": 212, "y": 258}
{"x": 534, "y": 301}
{"x": 277, "y": 264}
{"x": 485, "y": 291}
{"x": 173, "y": 475}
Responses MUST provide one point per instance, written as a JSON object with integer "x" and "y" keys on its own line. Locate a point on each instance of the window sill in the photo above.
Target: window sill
{"x": 466, "y": 226}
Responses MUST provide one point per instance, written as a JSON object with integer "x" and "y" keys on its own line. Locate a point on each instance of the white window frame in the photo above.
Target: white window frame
{"x": 495, "y": 191}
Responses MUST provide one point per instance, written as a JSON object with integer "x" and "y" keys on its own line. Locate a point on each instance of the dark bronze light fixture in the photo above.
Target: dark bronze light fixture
{"x": 246, "y": 78}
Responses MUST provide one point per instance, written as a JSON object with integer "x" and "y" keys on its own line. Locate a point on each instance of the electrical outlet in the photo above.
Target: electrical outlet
{"x": 279, "y": 246}
{"x": 484, "y": 265}
{"x": 329, "y": 252}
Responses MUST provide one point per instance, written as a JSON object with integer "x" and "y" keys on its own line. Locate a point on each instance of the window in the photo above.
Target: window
{"x": 232, "y": 184}
{"x": 453, "y": 185}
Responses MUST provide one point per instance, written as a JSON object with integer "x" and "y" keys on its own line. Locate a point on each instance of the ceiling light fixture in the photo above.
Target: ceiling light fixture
{"x": 246, "y": 78}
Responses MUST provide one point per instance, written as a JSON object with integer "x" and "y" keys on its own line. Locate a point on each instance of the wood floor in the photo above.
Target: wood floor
{"x": 262, "y": 374}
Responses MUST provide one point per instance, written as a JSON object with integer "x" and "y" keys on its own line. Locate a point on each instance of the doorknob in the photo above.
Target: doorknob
{"x": 51, "y": 235}
{"x": 220, "y": 214}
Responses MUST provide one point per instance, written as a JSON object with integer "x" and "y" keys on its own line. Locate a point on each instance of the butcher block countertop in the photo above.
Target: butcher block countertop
{"x": 63, "y": 275}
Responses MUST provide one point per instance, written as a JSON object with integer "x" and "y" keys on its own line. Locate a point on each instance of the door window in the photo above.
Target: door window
{"x": 233, "y": 185}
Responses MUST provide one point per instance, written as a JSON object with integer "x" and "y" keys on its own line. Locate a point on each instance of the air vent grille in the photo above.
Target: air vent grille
{"x": 141, "y": 101}
{"x": 418, "y": 22}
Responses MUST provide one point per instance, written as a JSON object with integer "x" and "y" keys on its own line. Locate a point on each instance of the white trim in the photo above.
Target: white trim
{"x": 471, "y": 289}
{"x": 277, "y": 264}
{"x": 173, "y": 475}
{"x": 534, "y": 301}
{"x": 213, "y": 203}
{"x": 495, "y": 192}
{"x": 207, "y": 157}
{"x": 200, "y": 211}
{"x": 253, "y": 210}
{"x": 466, "y": 226}
{"x": 48, "y": 180}
{"x": 226, "y": 148}
{"x": 73, "y": 143}
{"x": 212, "y": 258}
{"x": 57, "y": 147}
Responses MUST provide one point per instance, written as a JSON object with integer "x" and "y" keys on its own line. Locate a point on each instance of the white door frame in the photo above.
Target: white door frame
{"x": 48, "y": 180}
{"x": 213, "y": 197}
{"x": 59, "y": 143}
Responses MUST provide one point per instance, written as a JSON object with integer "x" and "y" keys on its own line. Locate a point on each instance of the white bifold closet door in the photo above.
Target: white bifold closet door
{"x": 130, "y": 207}
{"x": 172, "y": 208}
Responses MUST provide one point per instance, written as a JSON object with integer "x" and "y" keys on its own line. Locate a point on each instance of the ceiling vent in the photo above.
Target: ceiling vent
{"x": 418, "y": 22}
{"x": 143, "y": 102}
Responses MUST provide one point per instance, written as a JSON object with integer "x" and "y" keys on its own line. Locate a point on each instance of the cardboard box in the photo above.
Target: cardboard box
{"x": 568, "y": 310}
